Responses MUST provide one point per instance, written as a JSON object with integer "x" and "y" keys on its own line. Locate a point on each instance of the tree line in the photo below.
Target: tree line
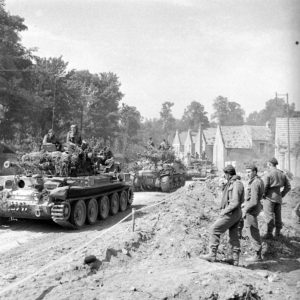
{"x": 37, "y": 94}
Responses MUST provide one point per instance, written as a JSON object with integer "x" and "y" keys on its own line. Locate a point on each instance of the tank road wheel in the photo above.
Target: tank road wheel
{"x": 78, "y": 213}
{"x": 103, "y": 204}
{"x": 130, "y": 196}
{"x": 114, "y": 203}
{"x": 92, "y": 211}
{"x": 123, "y": 201}
{"x": 166, "y": 184}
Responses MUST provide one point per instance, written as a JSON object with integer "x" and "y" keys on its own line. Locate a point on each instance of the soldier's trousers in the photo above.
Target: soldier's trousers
{"x": 229, "y": 222}
{"x": 251, "y": 226}
{"x": 272, "y": 212}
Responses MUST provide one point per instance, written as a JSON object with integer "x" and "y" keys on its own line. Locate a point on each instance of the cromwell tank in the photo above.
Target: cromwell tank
{"x": 158, "y": 170}
{"x": 201, "y": 170}
{"x": 66, "y": 187}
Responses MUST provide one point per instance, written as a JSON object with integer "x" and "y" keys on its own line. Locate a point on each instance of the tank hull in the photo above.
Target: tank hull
{"x": 149, "y": 180}
{"x": 55, "y": 198}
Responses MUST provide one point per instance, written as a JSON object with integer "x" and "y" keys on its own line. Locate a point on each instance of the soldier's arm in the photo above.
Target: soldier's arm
{"x": 266, "y": 182}
{"x": 255, "y": 186}
{"x": 45, "y": 140}
{"x": 287, "y": 187}
{"x": 237, "y": 197}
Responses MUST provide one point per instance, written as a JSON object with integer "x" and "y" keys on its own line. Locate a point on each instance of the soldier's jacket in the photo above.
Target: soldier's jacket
{"x": 233, "y": 195}
{"x": 274, "y": 180}
{"x": 253, "y": 195}
{"x": 74, "y": 138}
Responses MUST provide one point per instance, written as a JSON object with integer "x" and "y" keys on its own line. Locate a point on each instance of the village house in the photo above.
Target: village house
{"x": 238, "y": 145}
{"x": 194, "y": 143}
{"x": 225, "y": 145}
{"x": 281, "y": 144}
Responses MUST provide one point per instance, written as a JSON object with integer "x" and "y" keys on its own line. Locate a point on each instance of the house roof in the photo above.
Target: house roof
{"x": 209, "y": 135}
{"x": 242, "y": 136}
{"x": 281, "y": 131}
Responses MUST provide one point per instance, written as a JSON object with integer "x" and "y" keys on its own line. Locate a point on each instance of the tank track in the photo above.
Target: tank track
{"x": 57, "y": 210}
{"x": 58, "y": 217}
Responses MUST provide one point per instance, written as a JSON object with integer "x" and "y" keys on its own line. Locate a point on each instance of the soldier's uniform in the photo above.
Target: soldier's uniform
{"x": 252, "y": 208}
{"x": 74, "y": 137}
{"x": 231, "y": 213}
{"x": 274, "y": 180}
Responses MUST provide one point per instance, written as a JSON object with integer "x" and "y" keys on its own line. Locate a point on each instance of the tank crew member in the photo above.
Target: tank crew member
{"x": 251, "y": 209}
{"x": 106, "y": 158}
{"x": 50, "y": 138}
{"x": 150, "y": 143}
{"x": 73, "y": 136}
{"x": 230, "y": 215}
{"x": 163, "y": 145}
{"x": 274, "y": 180}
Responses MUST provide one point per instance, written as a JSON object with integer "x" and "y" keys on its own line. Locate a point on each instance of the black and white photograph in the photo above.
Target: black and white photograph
{"x": 149, "y": 149}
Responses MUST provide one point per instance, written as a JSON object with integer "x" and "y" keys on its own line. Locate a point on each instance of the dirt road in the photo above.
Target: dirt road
{"x": 28, "y": 245}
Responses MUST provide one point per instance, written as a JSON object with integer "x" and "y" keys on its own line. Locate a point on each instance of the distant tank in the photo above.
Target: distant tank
{"x": 158, "y": 170}
{"x": 67, "y": 187}
{"x": 200, "y": 170}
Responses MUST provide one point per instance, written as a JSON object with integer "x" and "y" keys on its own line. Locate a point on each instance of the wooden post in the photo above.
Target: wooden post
{"x": 133, "y": 219}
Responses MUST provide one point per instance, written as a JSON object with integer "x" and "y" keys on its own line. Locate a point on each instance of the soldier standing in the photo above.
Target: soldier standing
{"x": 274, "y": 180}
{"x": 252, "y": 208}
{"x": 231, "y": 213}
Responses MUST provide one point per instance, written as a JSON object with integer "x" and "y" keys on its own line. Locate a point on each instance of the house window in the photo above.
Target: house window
{"x": 262, "y": 148}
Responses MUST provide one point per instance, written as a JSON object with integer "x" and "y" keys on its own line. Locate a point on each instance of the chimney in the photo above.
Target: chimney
{"x": 268, "y": 125}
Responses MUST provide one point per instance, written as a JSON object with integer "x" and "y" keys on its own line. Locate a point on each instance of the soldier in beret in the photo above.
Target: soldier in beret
{"x": 274, "y": 180}
{"x": 230, "y": 215}
{"x": 251, "y": 209}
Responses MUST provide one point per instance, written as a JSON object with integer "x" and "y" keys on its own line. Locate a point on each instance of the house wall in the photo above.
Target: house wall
{"x": 239, "y": 157}
{"x": 282, "y": 157}
{"x": 219, "y": 151}
{"x": 209, "y": 150}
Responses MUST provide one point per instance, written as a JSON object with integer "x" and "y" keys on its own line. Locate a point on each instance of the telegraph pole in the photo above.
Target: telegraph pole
{"x": 288, "y": 128}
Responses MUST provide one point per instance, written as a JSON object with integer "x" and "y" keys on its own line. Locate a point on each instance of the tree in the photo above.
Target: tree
{"x": 227, "y": 112}
{"x": 274, "y": 108}
{"x": 193, "y": 116}
{"x": 166, "y": 117}
{"x": 103, "y": 111}
{"x": 130, "y": 123}
{"x": 15, "y": 63}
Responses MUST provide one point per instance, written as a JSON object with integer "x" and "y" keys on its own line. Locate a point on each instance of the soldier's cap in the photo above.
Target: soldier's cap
{"x": 229, "y": 170}
{"x": 252, "y": 167}
{"x": 273, "y": 161}
{"x": 73, "y": 126}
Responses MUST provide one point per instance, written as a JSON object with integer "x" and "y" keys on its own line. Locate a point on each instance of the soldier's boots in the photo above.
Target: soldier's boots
{"x": 268, "y": 236}
{"x": 236, "y": 258}
{"x": 255, "y": 258}
{"x": 277, "y": 233}
{"x": 228, "y": 259}
{"x": 211, "y": 256}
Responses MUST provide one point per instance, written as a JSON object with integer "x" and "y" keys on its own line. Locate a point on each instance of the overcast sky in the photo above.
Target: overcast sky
{"x": 174, "y": 50}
